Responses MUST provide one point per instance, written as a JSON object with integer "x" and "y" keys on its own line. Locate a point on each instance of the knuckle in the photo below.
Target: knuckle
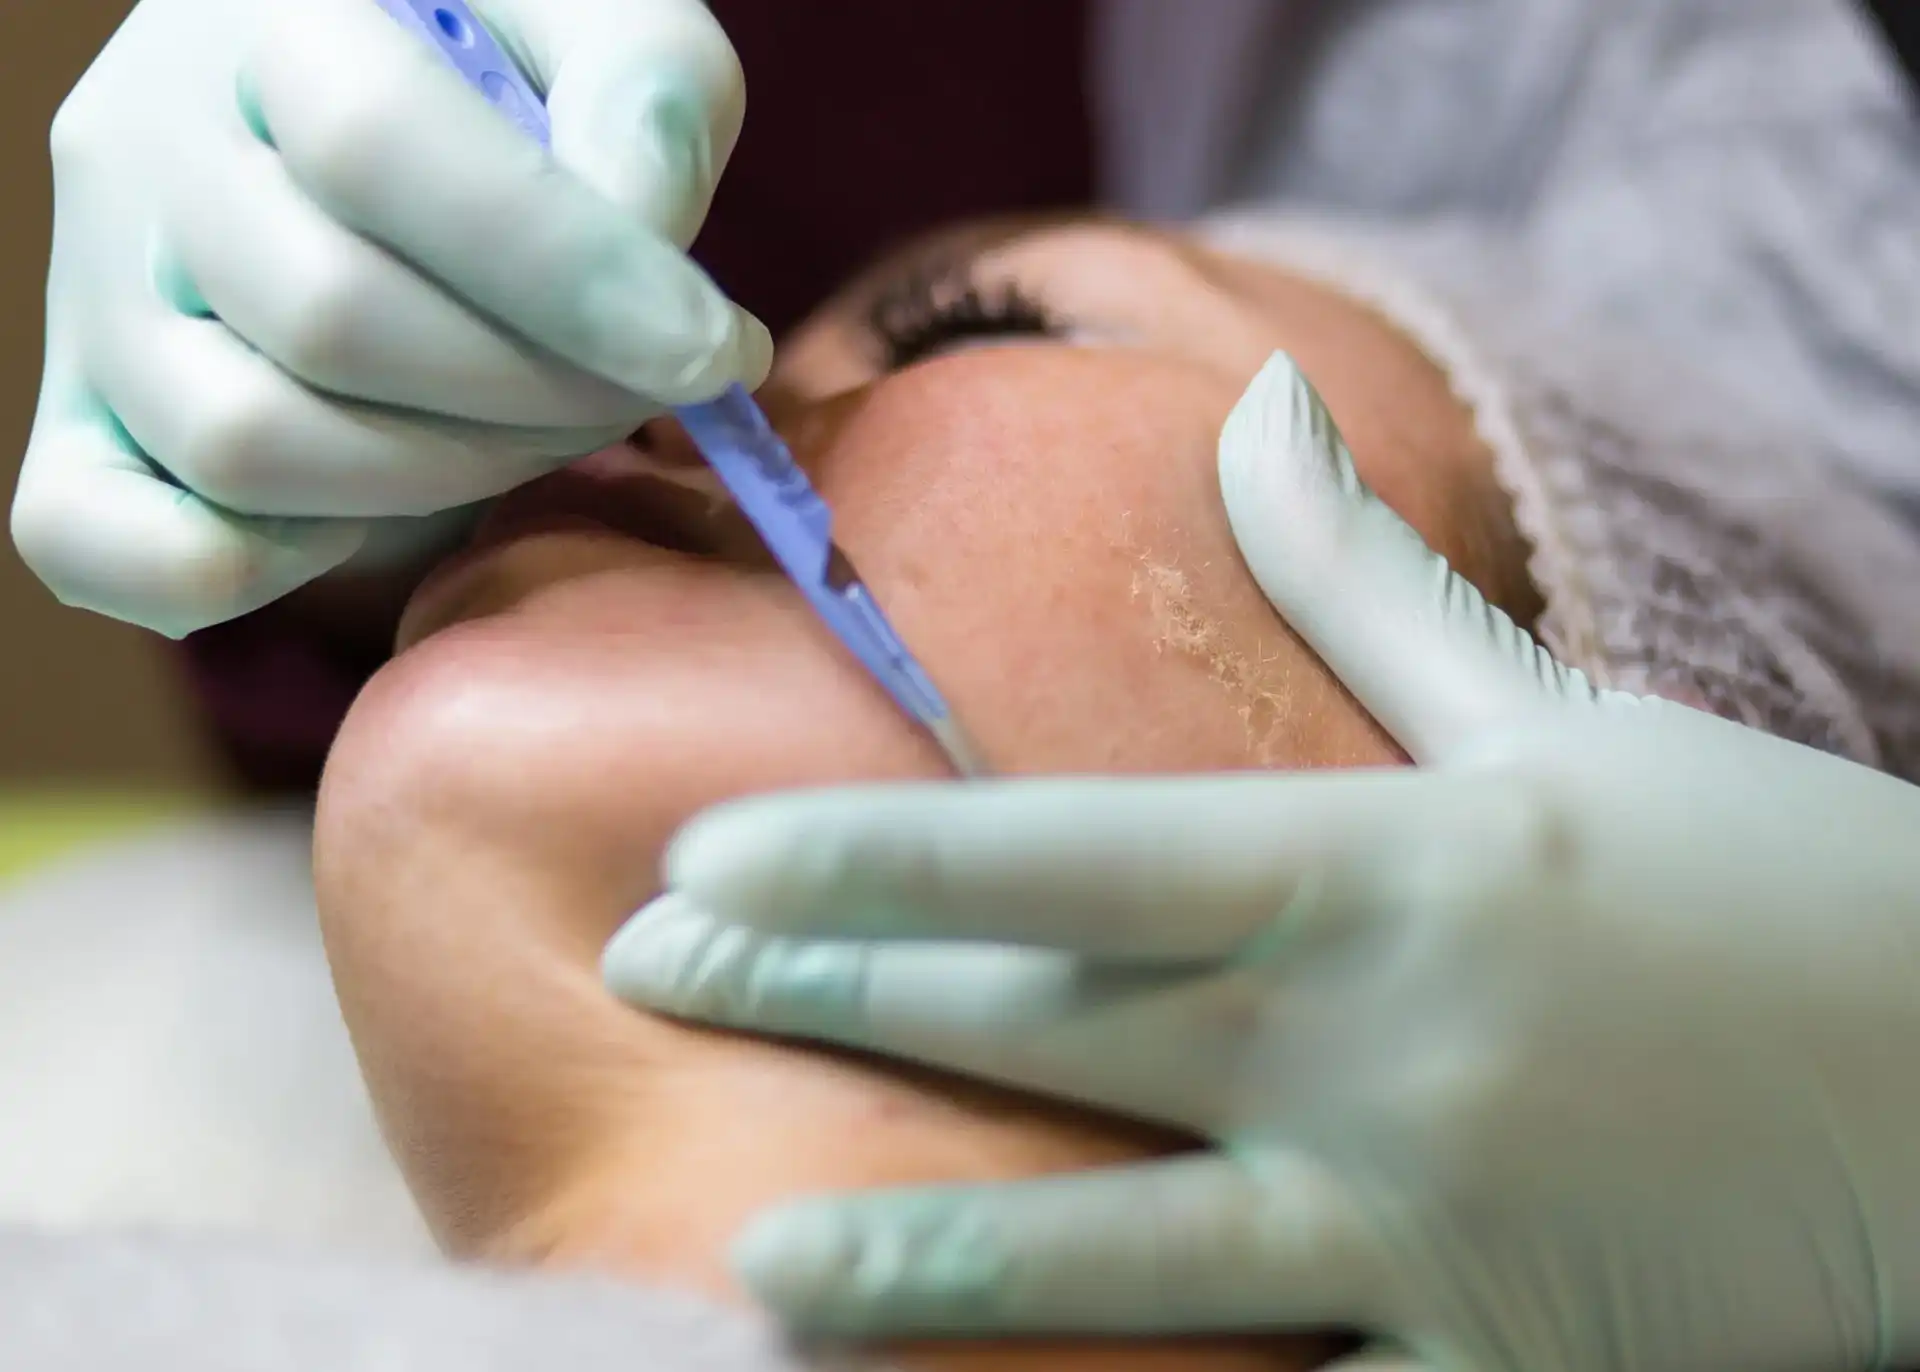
{"x": 334, "y": 134}
{"x": 721, "y": 76}
{"x": 1233, "y": 1019}
{"x": 1514, "y": 836}
{"x": 689, "y": 30}
{"x": 1528, "y": 830}
{"x": 708, "y": 976}
{"x": 40, "y": 525}
{"x": 174, "y": 586}
{"x": 1449, "y": 1104}
{"x": 71, "y": 137}
{"x": 211, "y": 583}
{"x": 674, "y": 66}
{"x": 320, "y": 324}
{"x": 226, "y": 449}
{"x": 338, "y": 145}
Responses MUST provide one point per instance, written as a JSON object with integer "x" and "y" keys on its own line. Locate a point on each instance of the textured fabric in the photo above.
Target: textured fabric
{"x": 1734, "y": 181}
{"x": 1685, "y": 546}
{"x": 111, "y": 1305}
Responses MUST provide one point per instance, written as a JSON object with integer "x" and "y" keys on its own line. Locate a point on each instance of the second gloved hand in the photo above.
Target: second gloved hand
{"x": 1588, "y": 1043}
{"x": 304, "y": 279}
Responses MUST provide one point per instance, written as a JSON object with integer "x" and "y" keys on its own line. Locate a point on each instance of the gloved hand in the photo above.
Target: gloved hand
{"x": 1588, "y": 1043}
{"x": 304, "y": 278}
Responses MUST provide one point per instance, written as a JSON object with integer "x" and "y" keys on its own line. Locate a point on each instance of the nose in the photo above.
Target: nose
{"x": 805, "y": 424}
{"x": 666, "y": 442}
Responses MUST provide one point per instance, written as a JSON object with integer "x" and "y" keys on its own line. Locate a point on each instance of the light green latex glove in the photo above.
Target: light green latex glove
{"x": 304, "y": 278}
{"x": 1592, "y": 1042}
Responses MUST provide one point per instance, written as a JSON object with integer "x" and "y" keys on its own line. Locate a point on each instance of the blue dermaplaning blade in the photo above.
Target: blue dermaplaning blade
{"x": 778, "y": 500}
{"x": 731, "y": 433}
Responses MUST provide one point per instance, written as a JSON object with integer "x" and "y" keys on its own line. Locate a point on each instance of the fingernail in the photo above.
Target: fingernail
{"x": 796, "y": 1256}
{"x": 647, "y": 958}
{"x": 916, "y": 1264}
{"x": 752, "y": 349}
{"x": 661, "y": 328}
{"x": 703, "y": 856}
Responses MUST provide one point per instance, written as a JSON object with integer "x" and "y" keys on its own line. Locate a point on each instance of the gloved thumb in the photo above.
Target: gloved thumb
{"x": 1414, "y": 641}
{"x": 646, "y": 98}
{"x": 1199, "y": 1244}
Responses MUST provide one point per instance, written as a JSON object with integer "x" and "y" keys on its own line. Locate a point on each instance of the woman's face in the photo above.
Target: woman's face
{"x": 1015, "y": 430}
{"x": 1016, "y": 433}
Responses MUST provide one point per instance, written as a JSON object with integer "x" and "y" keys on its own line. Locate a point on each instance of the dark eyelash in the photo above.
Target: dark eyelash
{"x": 930, "y": 310}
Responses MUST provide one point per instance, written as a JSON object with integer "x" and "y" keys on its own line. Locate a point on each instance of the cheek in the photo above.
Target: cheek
{"x": 1149, "y": 660}
{"x": 1065, "y": 569}
{"x": 1064, "y": 573}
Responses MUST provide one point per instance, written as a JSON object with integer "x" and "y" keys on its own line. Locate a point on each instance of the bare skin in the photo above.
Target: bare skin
{"x": 1042, "y": 522}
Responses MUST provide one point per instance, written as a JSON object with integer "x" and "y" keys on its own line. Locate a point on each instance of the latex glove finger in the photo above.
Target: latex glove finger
{"x": 249, "y": 438}
{"x": 1041, "y": 1021}
{"x": 1121, "y": 868}
{"x": 1194, "y": 1245}
{"x": 646, "y": 100}
{"x": 388, "y": 139}
{"x": 1416, "y": 644}
{"x": 347, "y": 317}
{"x": 105, "y": 533}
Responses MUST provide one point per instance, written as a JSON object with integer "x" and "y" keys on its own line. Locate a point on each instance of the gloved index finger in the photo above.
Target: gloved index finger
{"x": 1414, "y": 641}
{"x": 1178, "y": 869}
{"x": 1030, "y": 1018}
{"x": 386, "y": 137}
{"x": 647, "y": 99}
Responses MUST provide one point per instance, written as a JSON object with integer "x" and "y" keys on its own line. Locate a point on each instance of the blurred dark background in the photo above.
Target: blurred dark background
{"x": 83, "y": 702}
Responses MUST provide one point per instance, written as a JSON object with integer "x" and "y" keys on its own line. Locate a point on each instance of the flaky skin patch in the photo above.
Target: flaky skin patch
{"x": 1181, "y": 627}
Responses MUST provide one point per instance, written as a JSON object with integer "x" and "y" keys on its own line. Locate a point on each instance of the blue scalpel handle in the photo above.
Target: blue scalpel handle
{"x": 731, "y": 433}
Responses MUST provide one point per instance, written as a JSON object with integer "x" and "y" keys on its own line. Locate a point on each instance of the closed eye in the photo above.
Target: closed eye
{"x": 930, "y": 311}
